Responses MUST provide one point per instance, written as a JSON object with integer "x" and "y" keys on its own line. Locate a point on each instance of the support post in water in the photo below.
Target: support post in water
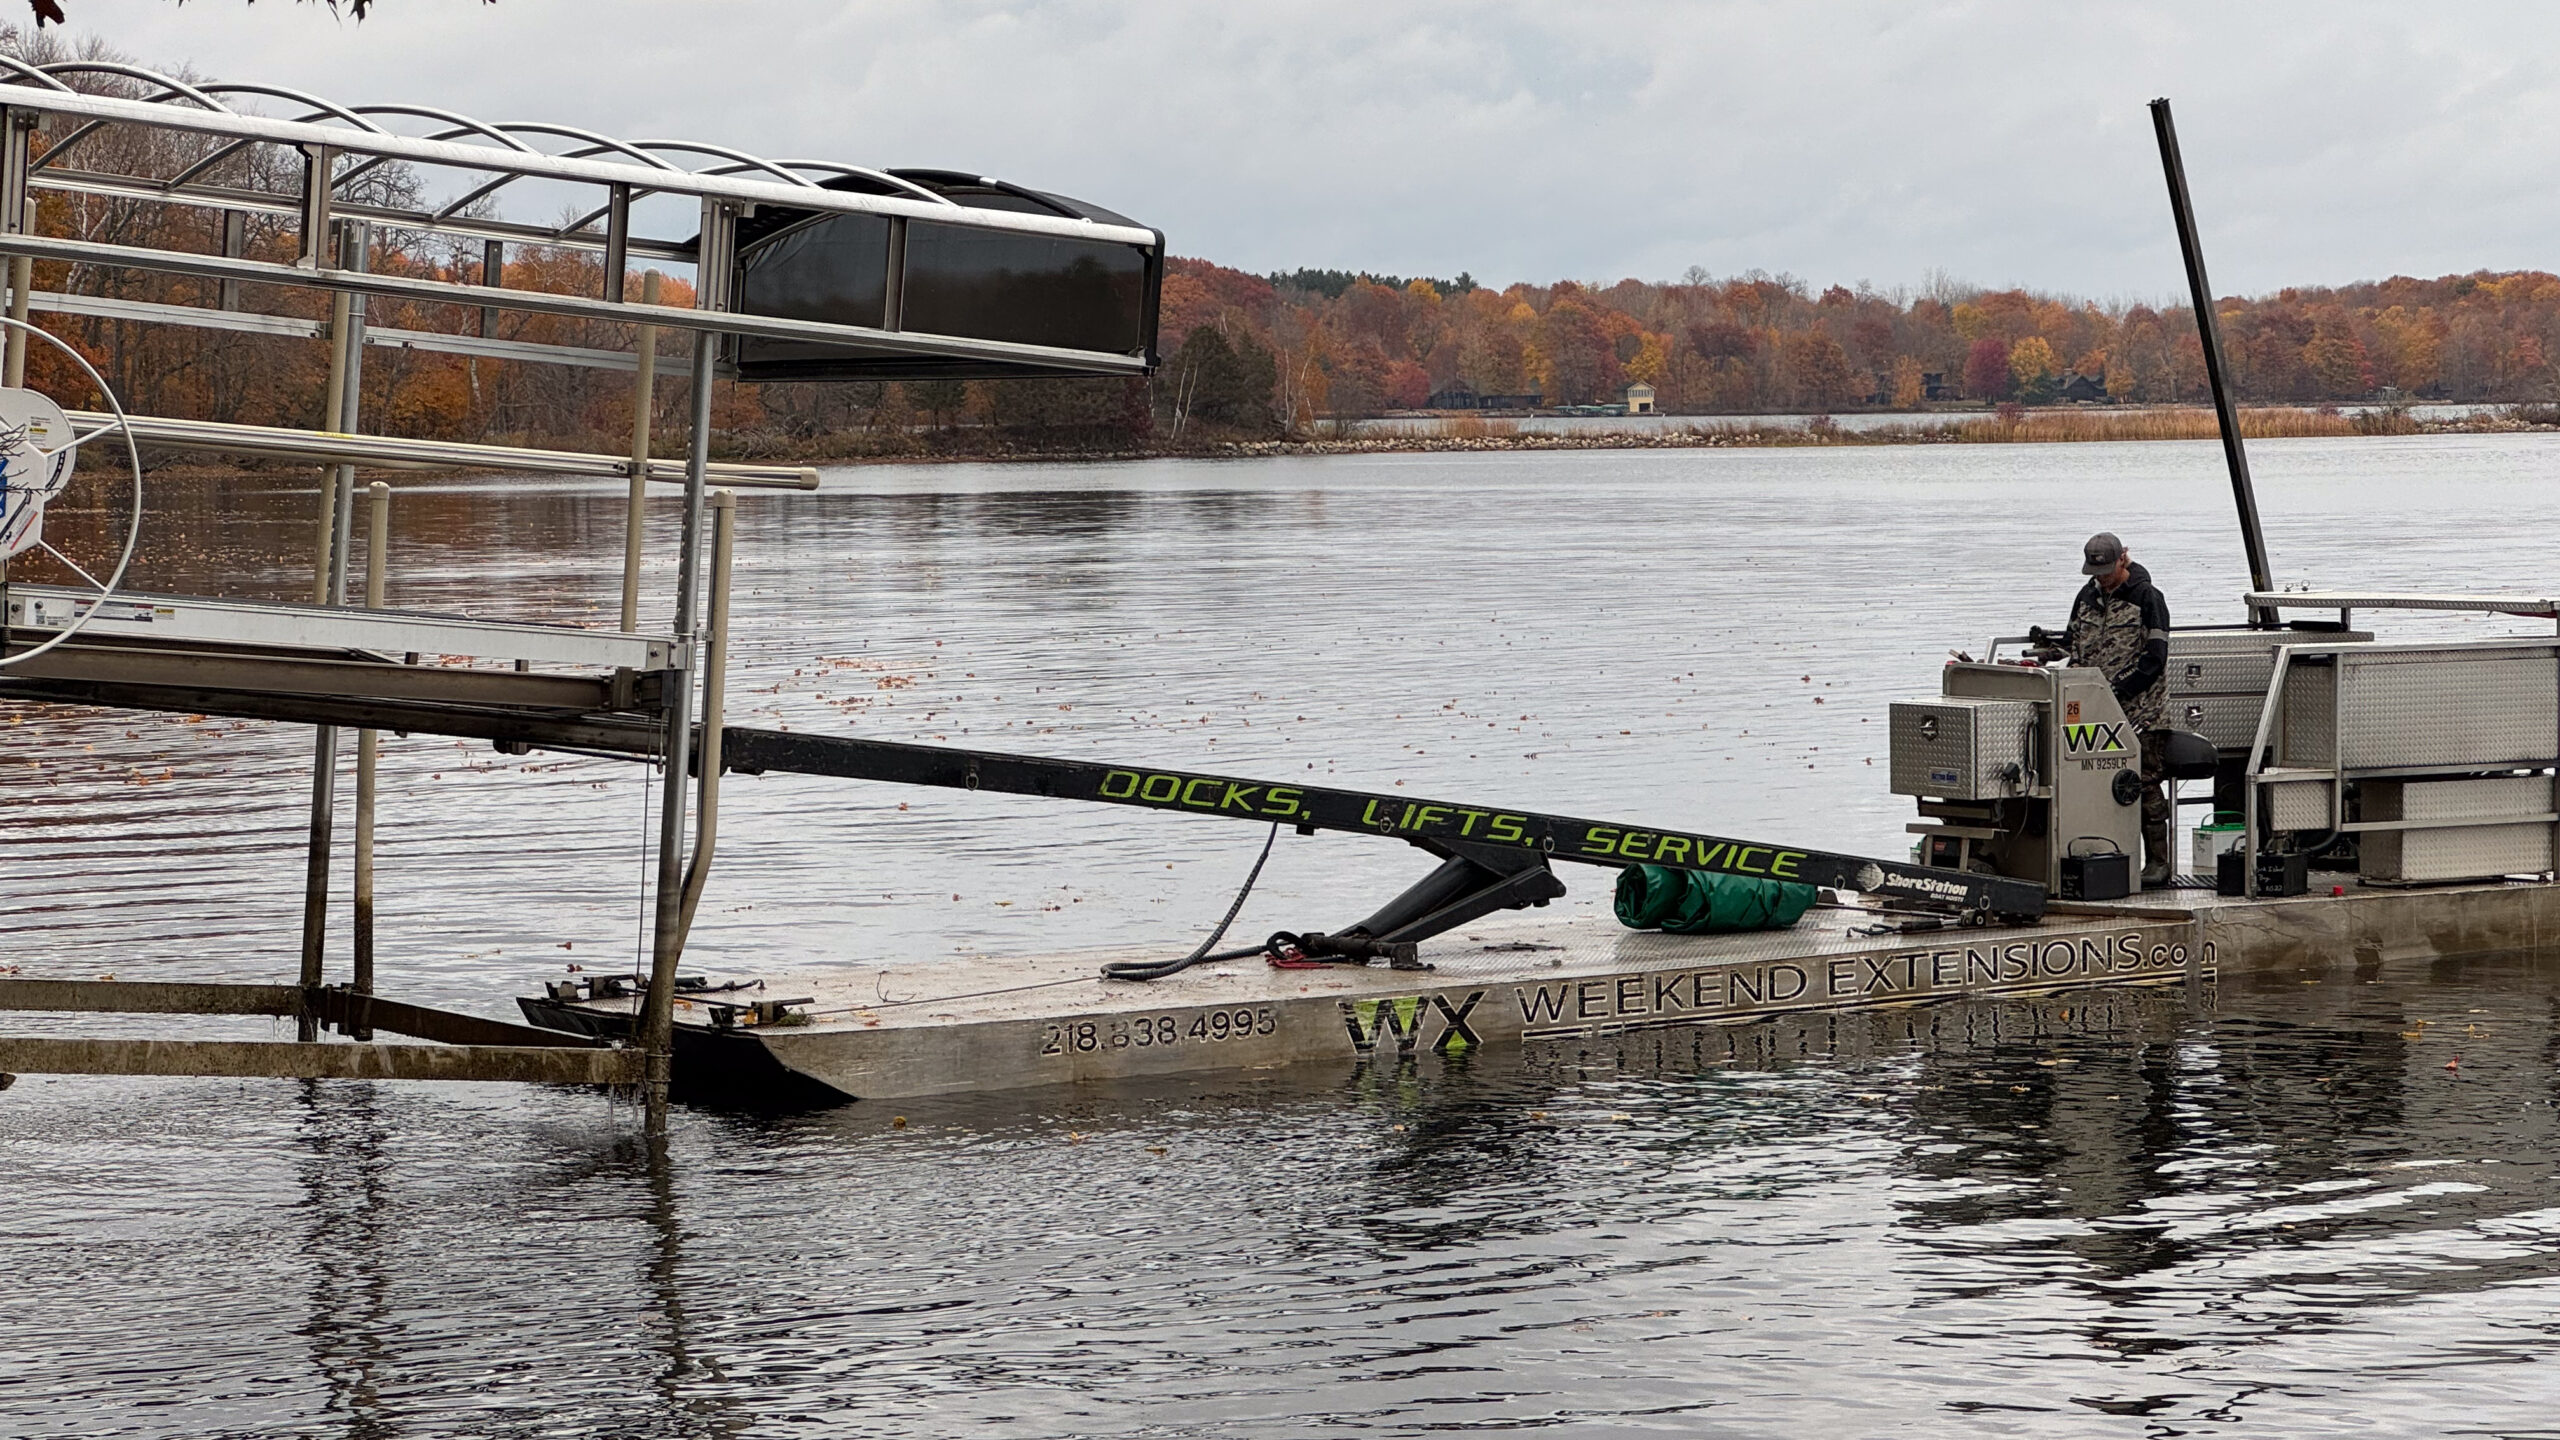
{"x": 657, "y": 1024}
{"x": 368, "y": 746}
{"x": 2253, "y": 539}
{"x": 643, "y": 389}
{"x": 337, "y": 522}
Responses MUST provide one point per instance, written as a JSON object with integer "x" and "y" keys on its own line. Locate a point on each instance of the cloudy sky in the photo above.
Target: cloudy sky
{"x": 1991, "y": 141}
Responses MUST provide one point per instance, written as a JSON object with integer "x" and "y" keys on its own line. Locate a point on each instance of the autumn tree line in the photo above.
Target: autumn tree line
{"x": 1761, "y": 344}
{"x": 1251, "y": 356}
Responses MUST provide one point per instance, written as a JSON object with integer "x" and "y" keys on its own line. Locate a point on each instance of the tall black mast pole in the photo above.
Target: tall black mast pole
{"x": 2253, "y": 538}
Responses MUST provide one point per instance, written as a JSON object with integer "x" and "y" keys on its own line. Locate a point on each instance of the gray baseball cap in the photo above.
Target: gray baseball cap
{"x": 2102, "y": 552}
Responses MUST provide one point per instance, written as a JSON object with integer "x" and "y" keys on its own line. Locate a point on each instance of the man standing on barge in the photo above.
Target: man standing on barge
{"x": 2120, "y": 624}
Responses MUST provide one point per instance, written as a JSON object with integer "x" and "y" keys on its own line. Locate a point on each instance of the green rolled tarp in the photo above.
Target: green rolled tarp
{"x": 1693, "y": 902}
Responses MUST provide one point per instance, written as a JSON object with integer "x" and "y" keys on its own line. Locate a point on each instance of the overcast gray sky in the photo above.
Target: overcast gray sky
{"x": 2002, "y": 143}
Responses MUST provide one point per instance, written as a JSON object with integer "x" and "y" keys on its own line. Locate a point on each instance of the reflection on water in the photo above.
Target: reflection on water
{"x": 2287, "y": 1212}
{"x": 2313, "y": 1208}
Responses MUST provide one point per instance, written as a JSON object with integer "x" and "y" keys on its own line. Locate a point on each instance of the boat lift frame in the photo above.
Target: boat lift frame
{"x": 337, "y": 665}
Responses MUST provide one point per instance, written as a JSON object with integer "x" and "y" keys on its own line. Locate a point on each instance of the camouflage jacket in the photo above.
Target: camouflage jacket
{"x": 2126, "y": 634}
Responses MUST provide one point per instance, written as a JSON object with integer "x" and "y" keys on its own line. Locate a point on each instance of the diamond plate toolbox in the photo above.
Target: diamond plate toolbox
{"x": 2468, "y": 829}
{"x": 1959, "y": 748}
{"x": 2218, "y": 678}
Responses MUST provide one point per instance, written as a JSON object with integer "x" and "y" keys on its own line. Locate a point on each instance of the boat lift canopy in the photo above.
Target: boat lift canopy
{"x": 812, "y": 269}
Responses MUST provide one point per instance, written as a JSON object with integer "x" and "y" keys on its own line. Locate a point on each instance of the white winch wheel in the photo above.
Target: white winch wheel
{"x": 39, "y": 451}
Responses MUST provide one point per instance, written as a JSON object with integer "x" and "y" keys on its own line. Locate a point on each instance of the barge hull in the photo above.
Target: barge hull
{"x": 883, "y": 1033}
{"x": 871, "y": 1032}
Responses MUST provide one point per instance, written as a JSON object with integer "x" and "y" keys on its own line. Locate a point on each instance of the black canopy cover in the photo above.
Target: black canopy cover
{"x": 1094, "y": 295}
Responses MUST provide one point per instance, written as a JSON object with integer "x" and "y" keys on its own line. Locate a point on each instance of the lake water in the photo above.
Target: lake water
{"x": 2112, "y": 1217}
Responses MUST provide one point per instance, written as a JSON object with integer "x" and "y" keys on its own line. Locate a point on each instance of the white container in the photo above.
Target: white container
{"x": 2211, "y": 840}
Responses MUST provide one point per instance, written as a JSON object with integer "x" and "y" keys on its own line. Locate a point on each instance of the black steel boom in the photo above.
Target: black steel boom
{"x": 1439, "y": 825}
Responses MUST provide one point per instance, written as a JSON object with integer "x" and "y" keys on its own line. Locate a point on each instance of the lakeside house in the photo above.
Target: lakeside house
{"x": 1639, "y": 399}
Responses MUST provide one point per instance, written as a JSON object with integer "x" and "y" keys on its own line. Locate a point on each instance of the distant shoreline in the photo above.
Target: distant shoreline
{"x": 1472, "y": 435}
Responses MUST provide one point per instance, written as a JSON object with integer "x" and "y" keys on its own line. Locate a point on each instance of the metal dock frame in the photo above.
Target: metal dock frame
{"x": 331, "y": 665}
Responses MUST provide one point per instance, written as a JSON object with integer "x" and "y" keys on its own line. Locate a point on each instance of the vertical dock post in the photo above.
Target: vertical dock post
{"x": 22, "y": 273}
{"x": 715, "y": 692}
{"x": 368, "y": 746}
{"x": 17, "y": 217}
{"x": 358, "y": 258}
{"x": 642, "y": 391}
{"x": 338, "y": 523}
{"x": 657, "y": 1021}
{"x": 657, "y": 1027}
{"x": 333, "y": 403}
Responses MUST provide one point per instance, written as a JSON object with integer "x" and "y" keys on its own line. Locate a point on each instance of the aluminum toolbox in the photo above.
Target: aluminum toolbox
{"x": 2468, "y": 829}
{"x": 2218, "y": 678}
{"x": 1963, "y": 748}
{"x": 2233, "y": 661}
{"x": 2220, "y": 662}
{"x": 2486, "y": 707}
{"x": 2229, "y": 721}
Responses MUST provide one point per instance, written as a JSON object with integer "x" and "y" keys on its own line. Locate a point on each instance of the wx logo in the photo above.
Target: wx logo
{"x": 1371, "y": 1022}
{"x": 2092, "y": 738}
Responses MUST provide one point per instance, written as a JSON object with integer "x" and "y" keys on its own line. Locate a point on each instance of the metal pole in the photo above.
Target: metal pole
{"x": 17, "y": 218}
{"x": 357, "y": 259}
{"x": 332, "y": 405}
{"x": 657, "y": 1028}
{"x": 715, "y": 667}
{"x": 340, "y": 522}
{"x": 617, "y": 240}
{"x": 377, "y": 544}
{"x": 644, "y": 388}
{"x": 22, "y": 272}
{"x": 235, "y": 246}
{"x": 493, "y": 273}
{"x": 2209, "y": 329}
{"x": 658, "y": 1007}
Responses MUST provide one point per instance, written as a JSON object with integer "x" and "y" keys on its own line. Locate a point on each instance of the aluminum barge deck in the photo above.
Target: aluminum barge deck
{"x": 886, "y": 1032}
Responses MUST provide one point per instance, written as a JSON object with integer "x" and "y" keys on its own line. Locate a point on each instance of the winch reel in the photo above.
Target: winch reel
{"x": 39, "y": 454}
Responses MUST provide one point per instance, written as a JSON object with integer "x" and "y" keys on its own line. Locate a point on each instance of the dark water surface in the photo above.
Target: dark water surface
{"x": 2102, "y": 1215}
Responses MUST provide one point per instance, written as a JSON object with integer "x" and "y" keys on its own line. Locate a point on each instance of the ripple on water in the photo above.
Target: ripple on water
{"x": 2069, "y": 1218}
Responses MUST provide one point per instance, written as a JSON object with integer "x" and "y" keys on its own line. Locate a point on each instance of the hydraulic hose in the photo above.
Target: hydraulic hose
{"x": 1159, "y": 969}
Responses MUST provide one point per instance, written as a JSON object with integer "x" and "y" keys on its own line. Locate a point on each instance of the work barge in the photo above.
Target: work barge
{"x": 2396, "y": 801}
